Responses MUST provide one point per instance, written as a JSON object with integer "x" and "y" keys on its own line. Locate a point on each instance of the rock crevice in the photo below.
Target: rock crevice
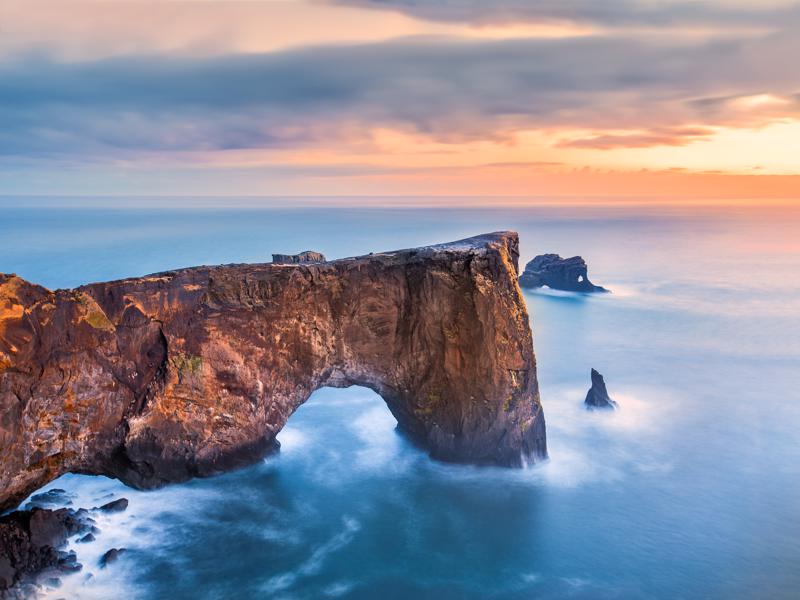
{"x": 192, "y": 372}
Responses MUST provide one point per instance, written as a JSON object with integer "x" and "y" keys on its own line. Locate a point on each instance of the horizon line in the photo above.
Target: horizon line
{"x": 394, "y": 201}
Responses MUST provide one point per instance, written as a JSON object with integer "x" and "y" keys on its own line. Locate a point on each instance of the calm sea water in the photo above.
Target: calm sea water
{"x": 690, "y": 490}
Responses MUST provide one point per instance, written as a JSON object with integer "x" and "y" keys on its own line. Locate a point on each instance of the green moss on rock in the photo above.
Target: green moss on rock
{"x": 186, "y": 364}
{"x": 99, "y": 320}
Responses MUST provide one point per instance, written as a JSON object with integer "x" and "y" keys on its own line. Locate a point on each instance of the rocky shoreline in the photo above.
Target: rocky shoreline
{"x": 31, "y": 544}
{"x": 34, "y": 541}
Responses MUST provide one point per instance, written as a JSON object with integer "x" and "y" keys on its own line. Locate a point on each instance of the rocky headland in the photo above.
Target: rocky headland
{"x": 568, "y": 274}
{"x": 195, "y": 371}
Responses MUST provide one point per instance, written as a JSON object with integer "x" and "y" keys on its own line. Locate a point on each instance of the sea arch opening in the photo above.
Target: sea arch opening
{"x": 343, "y": 425}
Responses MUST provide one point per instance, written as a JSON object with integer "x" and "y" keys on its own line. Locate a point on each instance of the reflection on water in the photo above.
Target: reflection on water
{"x": 689, "y": 490}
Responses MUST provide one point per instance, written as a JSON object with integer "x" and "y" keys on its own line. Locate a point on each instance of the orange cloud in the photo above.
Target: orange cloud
{"x": 676, "y": 136}
{"x": 528, "y": 183}
{"x": 310, "y": 97}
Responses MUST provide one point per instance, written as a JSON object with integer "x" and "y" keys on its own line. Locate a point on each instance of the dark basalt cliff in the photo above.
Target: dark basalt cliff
{"x": 569, "y": 274}
{"x": 189, "y": 373}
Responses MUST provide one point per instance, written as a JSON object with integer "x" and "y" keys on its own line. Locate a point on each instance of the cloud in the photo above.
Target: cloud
{"x": 449, "y": 89}
{"x": 611, "y": 13}
{"x": 678, "y": 136}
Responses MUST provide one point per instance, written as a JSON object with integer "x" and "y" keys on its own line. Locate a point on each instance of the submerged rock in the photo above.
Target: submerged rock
{"x": 194, "y": 372}
{"x": 309, "y": 256}
{"x": 118, "y": 505}
{"x": 68, "y": 563}
{"x": 568, "y": 274}
{"x": 598, "y": 397}
{"x": 31, "y": 542}
{"x": 49, "y": 499}
{"x": 111, "y": 556}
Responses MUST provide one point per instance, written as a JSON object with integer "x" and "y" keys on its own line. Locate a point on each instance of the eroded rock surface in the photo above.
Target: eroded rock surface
{"x": 568, "y": 274}
{"x": 192, "y": 372}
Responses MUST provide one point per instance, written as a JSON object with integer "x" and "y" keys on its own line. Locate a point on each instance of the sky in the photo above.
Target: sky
{"x": 678, "y": 99}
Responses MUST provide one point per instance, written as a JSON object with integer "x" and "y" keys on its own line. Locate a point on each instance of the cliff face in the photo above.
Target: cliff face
{"x": 192, "y": 372}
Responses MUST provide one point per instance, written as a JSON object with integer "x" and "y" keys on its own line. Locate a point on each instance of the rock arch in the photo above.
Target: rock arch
{"x": 192, "y": 372}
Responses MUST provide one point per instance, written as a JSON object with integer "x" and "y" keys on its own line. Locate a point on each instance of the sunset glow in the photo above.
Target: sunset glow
{"x": 400, "y": 97}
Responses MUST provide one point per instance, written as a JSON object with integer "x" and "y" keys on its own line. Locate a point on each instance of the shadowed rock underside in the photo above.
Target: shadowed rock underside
{"x": 193, "y": 372}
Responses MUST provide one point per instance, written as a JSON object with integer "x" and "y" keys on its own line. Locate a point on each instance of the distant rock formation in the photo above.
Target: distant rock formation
{"x": 193, "y": 372}
{"x": 309, "y": 256}
{"x": 597, "y": 396}
{"x": 568, "y": 274}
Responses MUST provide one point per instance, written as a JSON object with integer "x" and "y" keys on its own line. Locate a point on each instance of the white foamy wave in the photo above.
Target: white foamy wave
{"x": 586, "y": 446}
{"x": 313, "y": 564}
{"x": 576, "y": 582}
{"x": 616, "y": 291}
{"x": 339, "y": 588}
{"x": 619, "y": 290}
{"x": 547, "y": 291}
{"x": 135, "y": 529}
{"x": 292, "y": 438}
{"x": 381, "y": 446}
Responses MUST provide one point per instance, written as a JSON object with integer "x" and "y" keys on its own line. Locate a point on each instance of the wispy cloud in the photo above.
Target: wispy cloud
{"x": 451, "y": 90}
{"x": 677, "y": 136}
{"x": 455, "y": 99}
{"x": 607, "y": 13}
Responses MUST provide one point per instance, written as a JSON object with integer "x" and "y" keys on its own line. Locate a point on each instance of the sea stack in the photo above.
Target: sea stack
{"x": 597, "y": 396}
{"x": 567, "y": 274}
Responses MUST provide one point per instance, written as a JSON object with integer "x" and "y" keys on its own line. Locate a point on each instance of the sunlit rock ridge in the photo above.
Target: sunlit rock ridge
{"x": 195, "y": 371}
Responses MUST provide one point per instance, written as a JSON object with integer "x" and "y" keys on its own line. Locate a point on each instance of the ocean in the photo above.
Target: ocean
{"x": 690, "y": 490}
